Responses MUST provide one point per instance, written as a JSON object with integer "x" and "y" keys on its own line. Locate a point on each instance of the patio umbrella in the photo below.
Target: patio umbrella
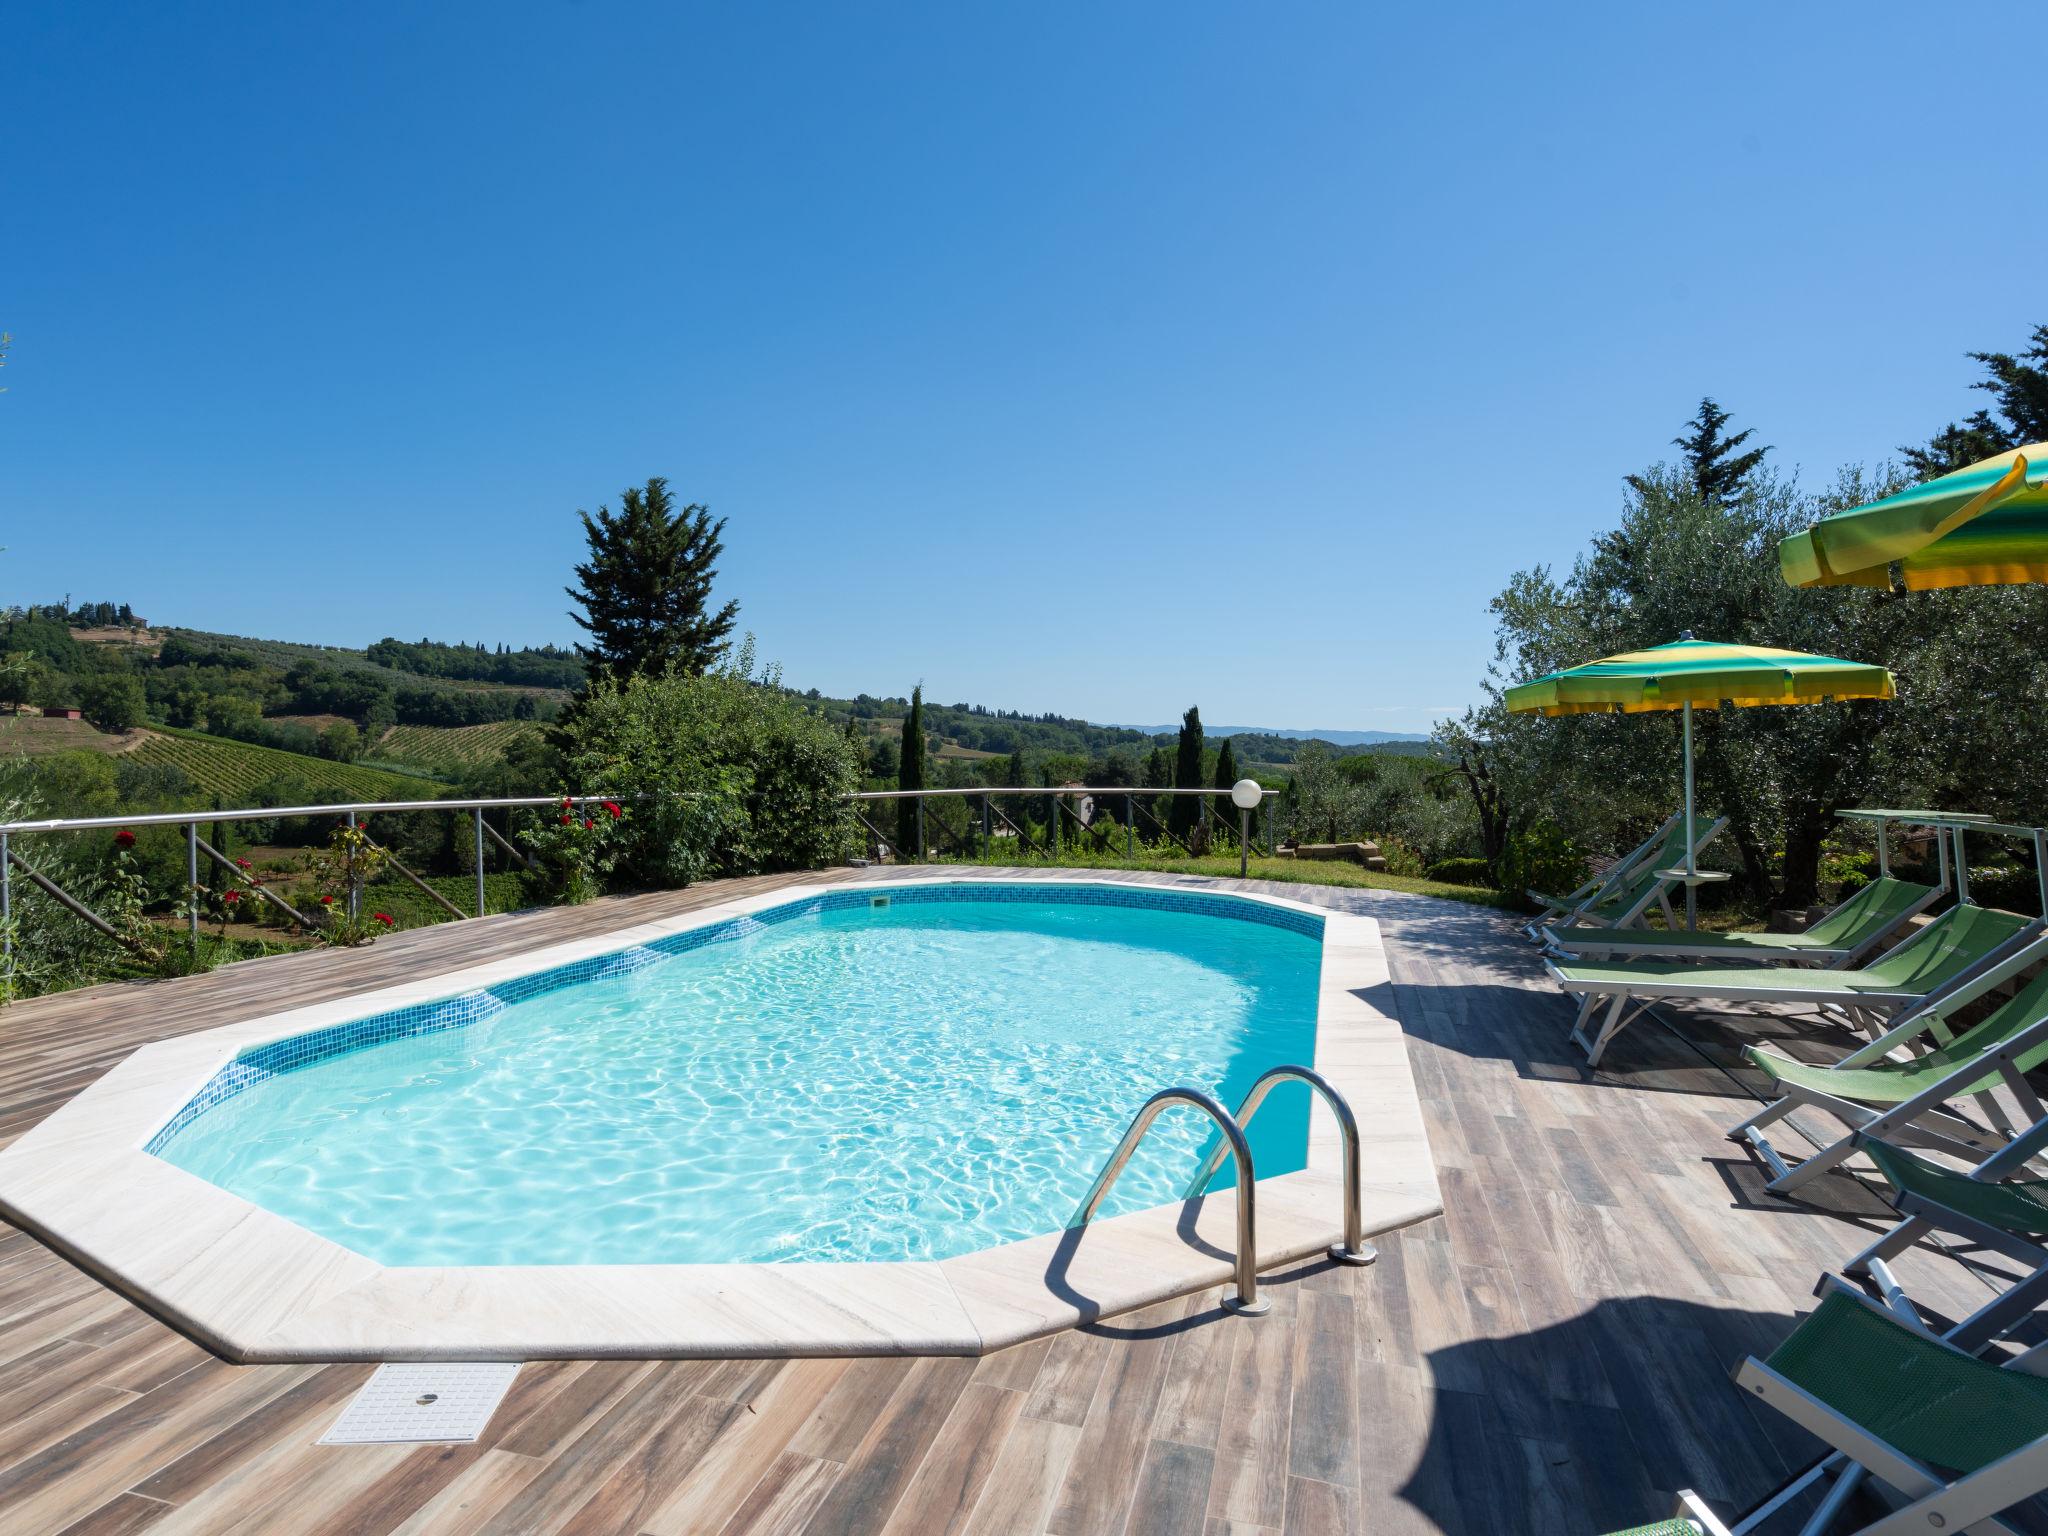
{"x": 1691, "y": 672}
{"x": 1985, "y": 525}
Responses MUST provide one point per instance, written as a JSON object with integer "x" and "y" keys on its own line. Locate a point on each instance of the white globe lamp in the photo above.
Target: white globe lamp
{"x": 1245, "y": 794}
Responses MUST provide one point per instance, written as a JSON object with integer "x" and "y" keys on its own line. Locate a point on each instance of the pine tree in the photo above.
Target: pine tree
{"x": 910, "y": 772}
{"x": 1187, "y": 774}
{"x": 1719, "y": 473}
{"x": 646, "y": 588}
{"x": 1226, "y": 775}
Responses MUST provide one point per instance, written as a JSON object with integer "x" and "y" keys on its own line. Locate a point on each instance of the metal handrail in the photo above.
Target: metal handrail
{"x": 1246, "y": 1302}
{"x": 280, "y": 812}
{"x": 1100, "y": 791}
{"x": 1354, "y": 1249}
{"x": 192, "y": 821}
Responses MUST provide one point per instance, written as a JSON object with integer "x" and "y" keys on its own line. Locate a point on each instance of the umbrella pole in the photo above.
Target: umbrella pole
{"x": 1691, "y": 897}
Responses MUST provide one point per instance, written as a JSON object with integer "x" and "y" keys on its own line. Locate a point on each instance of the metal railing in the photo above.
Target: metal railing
{"x": 1065, "y": 808}
{"x": 1246, "y": 1301}
{"x": 1354, "y": 1249}
{"x": 351, "y": 813}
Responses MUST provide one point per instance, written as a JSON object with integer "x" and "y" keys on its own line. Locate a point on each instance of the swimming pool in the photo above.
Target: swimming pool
{"x": 854, "y": 1077}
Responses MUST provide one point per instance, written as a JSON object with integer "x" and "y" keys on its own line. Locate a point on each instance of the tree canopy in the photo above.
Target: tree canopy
{"x": 645, "y": 591}
{"x": 2019, "y": 383}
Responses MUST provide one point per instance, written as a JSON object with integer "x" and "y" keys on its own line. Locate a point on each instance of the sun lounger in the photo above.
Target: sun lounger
{"x": 1626, "y": 889}
{"x": 1957, "y": 1438}
{"x": 1839, "y": 938}
{"x": 1646, "y": 853}
{"x": 1947, "y": 952}
{"x": 1883, "y": 1092}
{"x": 1982, "y": 1207}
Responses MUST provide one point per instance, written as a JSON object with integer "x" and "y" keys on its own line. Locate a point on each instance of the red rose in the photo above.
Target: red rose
{"x": 566, "y": 802}
{"x": 382, "y": 917}
{"x": 326, "y": 901}
{"x": 232, "y": 897}
{"x": 567, "y": 818}
{"x": 587, "y": 825}
{"x": 613, "y": 807}
{"x": 124, "y": 839}
{"x": 241, "y": 863}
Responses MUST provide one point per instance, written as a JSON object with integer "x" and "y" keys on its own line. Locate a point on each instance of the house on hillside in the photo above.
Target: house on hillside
{"x": 63, "y": 712}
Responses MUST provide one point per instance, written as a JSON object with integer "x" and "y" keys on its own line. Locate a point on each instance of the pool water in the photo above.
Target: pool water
{"x": 905, "y": 1082}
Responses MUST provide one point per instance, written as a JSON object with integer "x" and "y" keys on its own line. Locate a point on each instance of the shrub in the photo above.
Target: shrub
{"x": 1401, "y": 858}
{"x": 1541, "y": 858}
{"x": 725, "y": 774}
{"x": 1460, "y": 871}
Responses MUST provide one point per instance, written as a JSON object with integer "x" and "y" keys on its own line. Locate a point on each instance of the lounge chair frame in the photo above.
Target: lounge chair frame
{"x": 1870, "y": 1010}
{"x": 1603, "y": 883}
{"x": 1679, "y": 944}
{"x": 1925, "y": 1119}
{"x": 1920, "y": 1217}
{"x": 1969, "y": 1504}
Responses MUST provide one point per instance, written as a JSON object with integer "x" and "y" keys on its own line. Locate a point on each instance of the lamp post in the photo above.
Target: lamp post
{"x": 1245, "y": 794}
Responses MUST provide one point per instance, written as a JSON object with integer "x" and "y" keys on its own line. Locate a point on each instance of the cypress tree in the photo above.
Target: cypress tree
{"x": 645, "y": 591}
{"x": 1226, "y": 775}
{"x": 910, "y": 772}
{"x": 1187, "y": 774}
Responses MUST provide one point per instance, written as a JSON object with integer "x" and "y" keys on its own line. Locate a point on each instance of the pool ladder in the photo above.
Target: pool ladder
{"x": 1354, "y": 1249}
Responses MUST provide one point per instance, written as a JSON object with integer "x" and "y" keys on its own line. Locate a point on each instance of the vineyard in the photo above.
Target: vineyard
{"x": 234, "y": 769}
{"x": 448, "y": 749}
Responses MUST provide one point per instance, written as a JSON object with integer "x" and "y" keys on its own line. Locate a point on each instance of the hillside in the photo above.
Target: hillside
{"x": 342, "y": 716}
{"x": 448, "y": 750}
{"x": 237, "y": 770}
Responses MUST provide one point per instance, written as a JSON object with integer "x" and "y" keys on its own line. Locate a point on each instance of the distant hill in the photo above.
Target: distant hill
{"x": 1286, "y": 733}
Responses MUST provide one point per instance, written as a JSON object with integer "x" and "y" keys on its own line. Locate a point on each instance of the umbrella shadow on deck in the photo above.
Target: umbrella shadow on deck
{"x": 1589, "y": 1425}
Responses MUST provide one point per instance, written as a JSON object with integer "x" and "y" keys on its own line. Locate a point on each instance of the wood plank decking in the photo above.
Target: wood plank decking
{"x": 1549, "y": 1356}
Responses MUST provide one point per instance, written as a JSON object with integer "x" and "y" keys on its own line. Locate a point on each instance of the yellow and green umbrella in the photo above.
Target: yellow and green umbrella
{"x": 1985, "y": 525}
{"x": 1691, "y": 672}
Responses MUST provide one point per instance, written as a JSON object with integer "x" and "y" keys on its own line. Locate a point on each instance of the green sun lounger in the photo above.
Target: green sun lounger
{"x": 1881, "y": 1093}
{"x": 1946, "y": 953}
{"x": 1958, "y": 1439}
{"x": 1647, "y": 854}
{"x": 1623, "y": 896}
{"x": 1838, "y": 938}
{"x": 1982, "y": 1207}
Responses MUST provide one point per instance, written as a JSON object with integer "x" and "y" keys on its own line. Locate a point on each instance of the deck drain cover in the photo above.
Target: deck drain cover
{"x": 423, "y": 1401}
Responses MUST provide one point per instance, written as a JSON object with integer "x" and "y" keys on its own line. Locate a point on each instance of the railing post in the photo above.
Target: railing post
{"x": 1244, "y": 843}
{"x": 1054, "y": 802}
{"x": 920, "y": 829}
{"x": 349, "y": 865}
{"x": 984, "y": 828}
{"x": 1130, "y": 829}
{"x": 479, "y": 812}
{"x": 192, "y": 883}
{"x": 6, "y": 908}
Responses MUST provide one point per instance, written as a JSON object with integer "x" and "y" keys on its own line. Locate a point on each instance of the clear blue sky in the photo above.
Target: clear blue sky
{"x": 1098, "y": 358}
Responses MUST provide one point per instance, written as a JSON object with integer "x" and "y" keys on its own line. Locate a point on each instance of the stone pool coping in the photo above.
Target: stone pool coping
{"x": 256, "y": 1287}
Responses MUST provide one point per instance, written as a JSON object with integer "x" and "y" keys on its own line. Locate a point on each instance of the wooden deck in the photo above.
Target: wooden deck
{"x": 1550, "y": 1356}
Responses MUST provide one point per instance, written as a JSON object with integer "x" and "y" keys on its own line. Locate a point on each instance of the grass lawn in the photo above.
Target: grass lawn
{"x": 1299, "y": 871}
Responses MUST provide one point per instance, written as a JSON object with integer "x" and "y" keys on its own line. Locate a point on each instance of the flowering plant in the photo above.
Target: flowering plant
{"x": 571, "y": 852}
{"x": 125, "y": 895}
{"x": 348, "y": 863}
